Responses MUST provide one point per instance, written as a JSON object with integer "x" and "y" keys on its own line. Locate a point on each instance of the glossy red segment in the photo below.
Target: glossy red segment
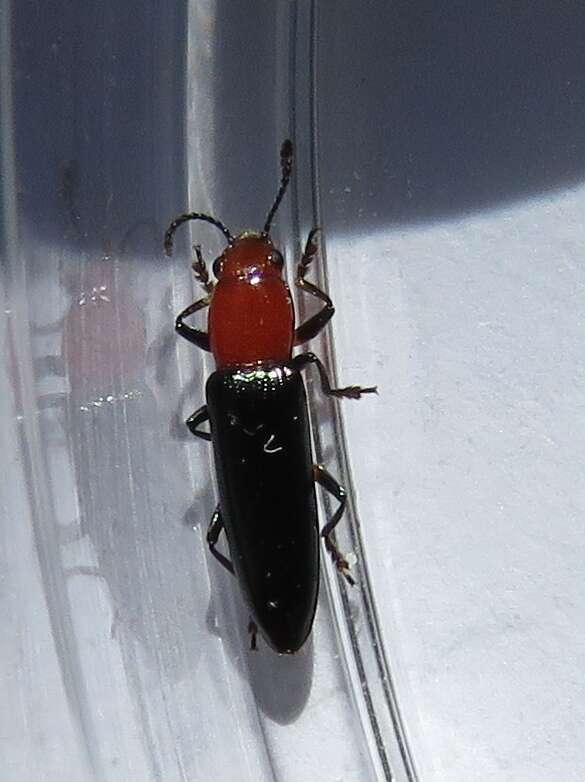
{"x": 249, "y": 254}
{"x": 251, "y": 317}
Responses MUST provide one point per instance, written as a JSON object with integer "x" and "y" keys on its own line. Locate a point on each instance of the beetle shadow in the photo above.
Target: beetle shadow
{"x": 178, "y": 430}
{"x": 161, "y": 357}
{"x": 160, "y": 352}
{"x": 294, "y": 674}
{"x": 120, "y": 509}
{"x": 227, "y": 619}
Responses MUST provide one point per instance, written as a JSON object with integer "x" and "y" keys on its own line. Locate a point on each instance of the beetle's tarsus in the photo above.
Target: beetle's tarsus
{"x": 344, "y": 570}
{"x": 353, "y": 392}
{"x": 339, "y": 560}
{"x": 311, "y": 248}
{"x": 200, "y": 270}
{"x": 349, "y": 392}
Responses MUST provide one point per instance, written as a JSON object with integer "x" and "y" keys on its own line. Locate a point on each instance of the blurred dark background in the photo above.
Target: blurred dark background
{"x": 426, "y": 109}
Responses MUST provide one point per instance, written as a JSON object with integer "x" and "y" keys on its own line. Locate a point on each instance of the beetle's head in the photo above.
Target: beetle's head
{"x": 248, "y": 253}
{"x": 250, "y": 256}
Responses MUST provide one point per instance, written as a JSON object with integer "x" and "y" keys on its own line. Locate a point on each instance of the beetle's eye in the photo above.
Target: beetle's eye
{"x": 218, "y": 267}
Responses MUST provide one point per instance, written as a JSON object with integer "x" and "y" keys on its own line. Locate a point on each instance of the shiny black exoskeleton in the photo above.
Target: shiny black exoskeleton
{"x": 263, "y": 461}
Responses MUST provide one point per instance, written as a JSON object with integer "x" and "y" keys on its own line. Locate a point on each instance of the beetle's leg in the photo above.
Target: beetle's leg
{"x": 200, "y": 270}
{"x": 253, "y": 631}
{"x": 328, "y": 482}
{"x": 199, "y": 417}
{"x": 197, "y": 337}
{"x": 310, "y": 328}
{"x": 213, "y": 533}
{"x": 351, "y": 392}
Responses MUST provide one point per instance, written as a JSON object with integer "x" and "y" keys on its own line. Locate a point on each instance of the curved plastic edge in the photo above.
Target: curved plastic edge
{"x": 369, "y": 674}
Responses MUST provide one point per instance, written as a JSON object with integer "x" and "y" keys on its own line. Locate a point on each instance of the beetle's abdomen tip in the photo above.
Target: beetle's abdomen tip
{"x": 286, "y": 648}
{"x": 286, "y": 638}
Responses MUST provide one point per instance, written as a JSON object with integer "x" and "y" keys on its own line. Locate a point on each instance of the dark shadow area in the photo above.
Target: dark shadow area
{"x": 429, "y": 110}
{"x": 281, "y": 683}
{"x": 247, "y": 107}
{"x": 101, "y": 85}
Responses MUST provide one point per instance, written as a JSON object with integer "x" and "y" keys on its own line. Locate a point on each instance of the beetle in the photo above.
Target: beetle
{"x": 259, "y": 425}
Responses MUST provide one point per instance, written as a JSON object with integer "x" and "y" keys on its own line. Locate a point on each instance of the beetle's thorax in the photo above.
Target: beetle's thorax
{"x": 250, "y": 257}
{"x": 251, "y": 318}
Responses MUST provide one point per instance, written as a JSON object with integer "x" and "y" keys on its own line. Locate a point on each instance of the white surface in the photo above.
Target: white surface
{"x": 470, "y": 470}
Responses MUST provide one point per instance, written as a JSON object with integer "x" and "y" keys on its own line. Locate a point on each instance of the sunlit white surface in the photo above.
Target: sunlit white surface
{"x": 470, "y": 471}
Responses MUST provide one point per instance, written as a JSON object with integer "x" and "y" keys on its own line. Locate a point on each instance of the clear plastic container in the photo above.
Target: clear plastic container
{"x": 456, "y": 271}
{"x": 126, "y": 644}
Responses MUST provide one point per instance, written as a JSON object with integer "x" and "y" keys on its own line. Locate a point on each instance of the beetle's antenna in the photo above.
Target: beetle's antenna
{"x": 168, "y": 244}
{"x": 286, "y": 158}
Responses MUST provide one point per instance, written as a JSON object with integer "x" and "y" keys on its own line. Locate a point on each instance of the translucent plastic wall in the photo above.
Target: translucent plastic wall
{"x": 441, "y": 151}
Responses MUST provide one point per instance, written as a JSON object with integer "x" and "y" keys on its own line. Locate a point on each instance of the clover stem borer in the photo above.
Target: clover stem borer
{"x": 259, "y": 425}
